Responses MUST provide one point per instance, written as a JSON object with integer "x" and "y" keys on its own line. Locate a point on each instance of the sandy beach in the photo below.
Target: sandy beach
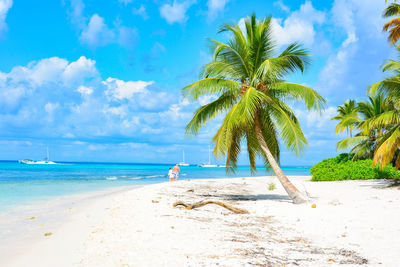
{"x": 354, "y": 223}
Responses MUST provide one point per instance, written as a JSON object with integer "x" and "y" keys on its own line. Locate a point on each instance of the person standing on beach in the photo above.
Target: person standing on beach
{"x": 170, "y": 175}
{"x": 176, "y": 171}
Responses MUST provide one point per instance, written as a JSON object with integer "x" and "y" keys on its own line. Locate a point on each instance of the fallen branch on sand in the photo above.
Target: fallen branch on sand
{"x": 203, "y": 203}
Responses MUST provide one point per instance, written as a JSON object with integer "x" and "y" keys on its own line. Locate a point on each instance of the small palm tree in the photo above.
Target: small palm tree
{"x": 248, "y": 79}
{"x": 388, "y": 121}
{"x": 347, "y": 117}
{"x": 364, "y": 143}
{"x": 393, "y": 26}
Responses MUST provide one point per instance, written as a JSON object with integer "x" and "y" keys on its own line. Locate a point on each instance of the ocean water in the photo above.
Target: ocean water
{"x": 25, "y": 184}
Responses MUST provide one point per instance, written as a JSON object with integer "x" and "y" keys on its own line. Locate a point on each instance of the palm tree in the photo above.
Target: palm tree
{"x": 248, "y": 81}
{"x": 364, "y": 143}
{"x": 393, "y": 26}
{"x": 347, "y": 117}
{"x": 388, "y": 121}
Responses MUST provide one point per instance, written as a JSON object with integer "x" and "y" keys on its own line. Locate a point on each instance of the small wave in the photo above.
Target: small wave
{"x": 111, "y": 178}
{"x": 147, "y": 177}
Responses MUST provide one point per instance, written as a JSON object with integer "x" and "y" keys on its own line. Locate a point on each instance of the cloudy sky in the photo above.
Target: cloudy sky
{"x": 100, "y": 80}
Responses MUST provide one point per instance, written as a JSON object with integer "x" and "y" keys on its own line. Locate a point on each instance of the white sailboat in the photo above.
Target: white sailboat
{"x": 183, "y": 163}
{"x": 45, "y": 161}
{"x": 209, "y": 165}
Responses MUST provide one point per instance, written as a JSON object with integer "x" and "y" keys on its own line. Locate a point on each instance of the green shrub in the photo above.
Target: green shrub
{"x": 343, "y": 168}
{"x": 271, "y": 186}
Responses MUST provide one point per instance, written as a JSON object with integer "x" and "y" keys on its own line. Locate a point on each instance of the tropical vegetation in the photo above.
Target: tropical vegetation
{"x": 248, "y": 77}
{"x": 343, "y": 167}
{"x": 392, "y": 26}
{"x": 388, "y": 149}
{"x": 347, "y": 117}
{"x": 377, "y": 120}
{"x": 364, "y": 143}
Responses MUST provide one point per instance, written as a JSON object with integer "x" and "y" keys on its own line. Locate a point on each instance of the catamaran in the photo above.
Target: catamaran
{"x": 208, "y": 165}
{"x": 45, "y": 161}
{"x": 183, "y": 163}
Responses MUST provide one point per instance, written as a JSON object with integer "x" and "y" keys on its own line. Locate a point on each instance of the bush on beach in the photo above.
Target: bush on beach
{"x": 343, "y": 167}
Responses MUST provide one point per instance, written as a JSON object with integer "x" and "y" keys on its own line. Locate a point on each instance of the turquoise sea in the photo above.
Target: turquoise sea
{"x": 25, "y": 184}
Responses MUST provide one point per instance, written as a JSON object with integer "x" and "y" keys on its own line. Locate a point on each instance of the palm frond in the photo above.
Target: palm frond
{"x": 236, "y": 55}
{"x": 347, "y": 121}
{"x": 291, "y": 59}
{"x": 207, "y": 112}
{"x": 244, "y": 110}
{"x": 386, "y": 151}
{"x": 350, "y": 142}
{"x": 392, "y": 10}
{"x": 289, "y": 127}
{"x": 221, "y": 69}
{"x": 311, "y": 98}
{"x": 208, "y": 86}
{"x": 384, "y": 119}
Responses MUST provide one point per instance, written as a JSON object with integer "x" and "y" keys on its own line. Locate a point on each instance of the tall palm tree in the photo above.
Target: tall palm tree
{"x": 364, "y": 143}
{"x": 248, "y": 77}
{"x": 347, "y": 117}
{"x": 388, "y": 121}
{"x": 393, "y": 26}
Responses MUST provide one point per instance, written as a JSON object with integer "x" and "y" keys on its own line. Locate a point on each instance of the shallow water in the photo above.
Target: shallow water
{"x": 26, "y": 184}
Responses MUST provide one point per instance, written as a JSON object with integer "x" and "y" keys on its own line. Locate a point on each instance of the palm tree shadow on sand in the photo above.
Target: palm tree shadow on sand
{"x": 234, "y": 197}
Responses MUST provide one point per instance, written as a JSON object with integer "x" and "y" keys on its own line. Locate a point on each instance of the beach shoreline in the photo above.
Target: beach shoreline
{"x": 140, "y": 227}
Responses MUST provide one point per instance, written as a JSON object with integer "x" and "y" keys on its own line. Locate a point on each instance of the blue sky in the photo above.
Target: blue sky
{"x": 101, "y": 80}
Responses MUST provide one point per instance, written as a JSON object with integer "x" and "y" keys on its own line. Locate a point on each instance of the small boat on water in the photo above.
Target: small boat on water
{"x": 208, "y": 165}
{"x": 183, "y": 163}
{"x": 46, "y": 161}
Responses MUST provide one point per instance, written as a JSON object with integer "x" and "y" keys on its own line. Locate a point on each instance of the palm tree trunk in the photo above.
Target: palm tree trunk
{"x": 292, "y": 191}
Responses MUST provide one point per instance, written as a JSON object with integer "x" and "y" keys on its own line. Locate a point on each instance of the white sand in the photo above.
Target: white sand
{"x": 353, "y": 222}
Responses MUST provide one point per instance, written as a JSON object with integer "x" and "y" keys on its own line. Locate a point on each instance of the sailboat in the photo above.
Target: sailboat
{"x": 183, "y": 163}
{"x": 209, "y": 165}
{"x": 45, "y": 161}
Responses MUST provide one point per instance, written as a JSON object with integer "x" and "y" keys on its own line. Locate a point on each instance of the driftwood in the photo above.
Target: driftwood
{"x": 203, "y": 203}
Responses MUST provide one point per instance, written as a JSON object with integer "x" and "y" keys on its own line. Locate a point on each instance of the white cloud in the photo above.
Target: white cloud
{"x": 175, "y": 12}
{"x": 175, "y": 113}
{"x": 299, "y": 26}
{"x": 119, "y": 111}
{"x": 79, "y": 70}
{"x": 79, "y": 143}
{"x": 84, "y": 90}
{"x": 315, "y": 119}
{"x": 50, "y": 108}
{"x": 97, "y": 33}
{"x": 281, "y": 5}
{"x": 96, "y": 147}
{"x": 75, "y": 103}
{"x": 343, "y": 17}
{"x": 94, "y": 32}
{"x": 118, "y": 89}
{"x": 47, "y": 70}
{"x": 141, "y": 11}
{"x": 76, "y": 13}
{"x": 215, "y": 7}
{"x": 205, "y": 99}
{"x": 349, "y": 15}
{"x": 10, "y": 97}
{"x": 5, "y": 5}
